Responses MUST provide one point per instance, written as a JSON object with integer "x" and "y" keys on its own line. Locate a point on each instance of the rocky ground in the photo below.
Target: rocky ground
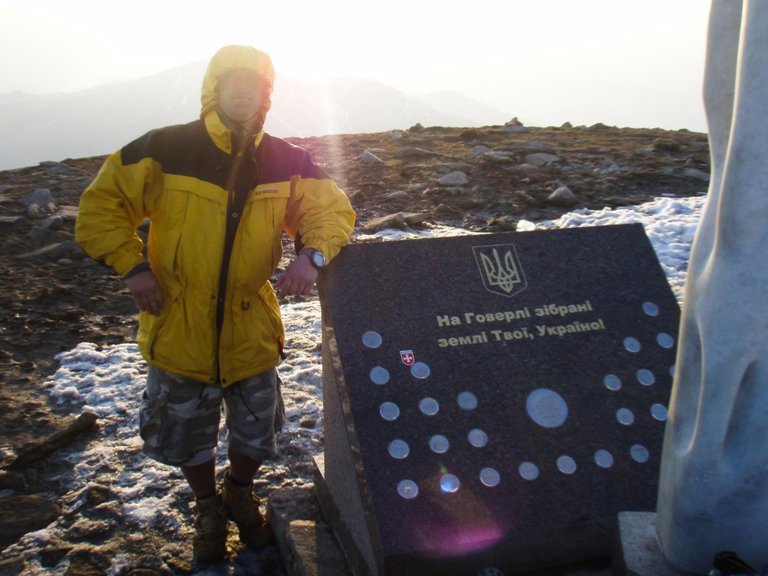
{"x": 485, "y": 179}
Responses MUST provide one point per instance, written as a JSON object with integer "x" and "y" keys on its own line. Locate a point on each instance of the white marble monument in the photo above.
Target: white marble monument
{"x": 713, "y": 492}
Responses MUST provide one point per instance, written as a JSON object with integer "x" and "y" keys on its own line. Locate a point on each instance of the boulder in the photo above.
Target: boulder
{"x": 541, "y": 159}
{"x": 479, "y": 150}
{"x": 11, "y": 220}
{"x": 371, "y": 159}
{"x": 396, "y": 221}
{"x": 533, "y": 146}
{"x": 414, "y": 152}
{"x": 696, "y": 173}
{"x": 52, "y": 252}
{"x": 22, "y": 514}
{"x": 456, "y": 178}
{"x": 562, "y": 196}
{"x": 39, "y": 203}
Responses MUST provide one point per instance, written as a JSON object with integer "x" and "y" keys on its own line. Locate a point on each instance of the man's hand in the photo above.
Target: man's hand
{"x": 146, "y": 291}
{"x": 298, "y": 278}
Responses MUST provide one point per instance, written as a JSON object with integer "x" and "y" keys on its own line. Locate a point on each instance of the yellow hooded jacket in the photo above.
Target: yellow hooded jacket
{"x": 221, "y": 320}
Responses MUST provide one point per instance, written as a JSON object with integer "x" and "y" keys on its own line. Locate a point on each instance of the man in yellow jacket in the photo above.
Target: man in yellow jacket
{"x": 219, "y": 192}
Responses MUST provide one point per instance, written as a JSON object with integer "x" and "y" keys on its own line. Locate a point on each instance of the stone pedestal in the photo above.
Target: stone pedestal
{"x": 637, "y": 551}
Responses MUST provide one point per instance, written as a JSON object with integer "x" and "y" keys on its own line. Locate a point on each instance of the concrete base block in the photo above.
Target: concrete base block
{"x": 637, "y": 549}
{"x": 313, "y": 550}
{"x": 306, "y": 544}
{"x": 355, "y": 562}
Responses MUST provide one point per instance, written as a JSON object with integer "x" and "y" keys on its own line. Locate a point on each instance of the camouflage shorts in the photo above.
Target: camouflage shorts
{"x": 179, "y": 417}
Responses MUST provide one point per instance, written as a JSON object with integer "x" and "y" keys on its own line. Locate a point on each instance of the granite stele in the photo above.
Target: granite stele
{"x": 493, "y": 401}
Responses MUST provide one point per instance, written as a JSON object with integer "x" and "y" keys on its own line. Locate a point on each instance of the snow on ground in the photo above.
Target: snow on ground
{"x": 670, "y": 224}
{"x": 110, "y": 381}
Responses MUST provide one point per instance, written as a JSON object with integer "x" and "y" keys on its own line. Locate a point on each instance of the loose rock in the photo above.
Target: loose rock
{"x": 413, "y": 152}
{"x": 562, "y": 196}
{"x": 40, "y": 196}
{"x": 479, "y": 150}
{"x": 11, "y": 220}
{"x": 396, "y": 221}
{"x": 22, "y": 514}
{"x": 696, "y": 173}
{"x": 541, "y": 159}
{"x": 53, "y": 252}
{"x": 666, "y": 145}
{"x": 456, "y": 178}
{"x": 533, "y": 146}
{"x": 370, "y": 158}
{"x": 12, "y": 566}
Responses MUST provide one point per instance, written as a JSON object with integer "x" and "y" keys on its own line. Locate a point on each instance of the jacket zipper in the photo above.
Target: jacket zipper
{"x": 221, "y": 295}
{"x": 235, "y": 204}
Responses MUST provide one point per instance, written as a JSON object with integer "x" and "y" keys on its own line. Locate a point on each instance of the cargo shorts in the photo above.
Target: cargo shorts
{"x": 179, "y": 417}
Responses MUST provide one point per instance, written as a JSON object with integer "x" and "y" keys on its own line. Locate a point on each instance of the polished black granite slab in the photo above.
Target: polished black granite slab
{"x": 493, "y": 401}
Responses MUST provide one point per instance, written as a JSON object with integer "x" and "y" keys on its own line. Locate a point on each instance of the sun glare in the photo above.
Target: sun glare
{"x": 539, "y": 58}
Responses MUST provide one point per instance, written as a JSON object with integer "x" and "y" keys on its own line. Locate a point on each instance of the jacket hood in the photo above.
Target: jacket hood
{"x": 232, "y": 57}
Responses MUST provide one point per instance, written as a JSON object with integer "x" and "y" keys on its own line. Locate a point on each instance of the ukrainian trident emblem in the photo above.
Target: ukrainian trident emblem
{"x": 500, "y": 269}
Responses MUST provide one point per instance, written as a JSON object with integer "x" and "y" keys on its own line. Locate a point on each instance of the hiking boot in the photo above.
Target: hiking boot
{"x": 210, "y": 542}
{"x": 242, "y": 507}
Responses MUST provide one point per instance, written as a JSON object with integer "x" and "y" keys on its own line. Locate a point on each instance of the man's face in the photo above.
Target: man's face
{"x": 240, "y": 95}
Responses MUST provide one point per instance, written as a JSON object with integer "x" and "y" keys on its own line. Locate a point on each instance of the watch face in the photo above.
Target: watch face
{"x": 318, "y": 259}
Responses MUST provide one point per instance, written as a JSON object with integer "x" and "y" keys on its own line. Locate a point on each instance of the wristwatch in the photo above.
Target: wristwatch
{"x": 316, "y": 257}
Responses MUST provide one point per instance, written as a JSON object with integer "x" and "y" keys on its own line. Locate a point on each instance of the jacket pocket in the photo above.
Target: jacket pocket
{"x": 183, "y": 337}
{"x": 264, "y": 220}
{"x": 272, "y": 306}
{"x": 194, "y": 239}
{"x": 252, "y": 334}
{"x": 165, "y": 232}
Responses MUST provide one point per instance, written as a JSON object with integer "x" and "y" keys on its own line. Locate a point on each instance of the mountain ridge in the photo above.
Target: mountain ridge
{"x": 99, "y": 120}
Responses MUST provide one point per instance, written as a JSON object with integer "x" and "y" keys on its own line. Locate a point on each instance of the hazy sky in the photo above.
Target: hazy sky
{"x": 623, "y": 62}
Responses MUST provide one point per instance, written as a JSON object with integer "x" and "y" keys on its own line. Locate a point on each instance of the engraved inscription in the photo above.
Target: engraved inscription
{"x": 526, "y": 323}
